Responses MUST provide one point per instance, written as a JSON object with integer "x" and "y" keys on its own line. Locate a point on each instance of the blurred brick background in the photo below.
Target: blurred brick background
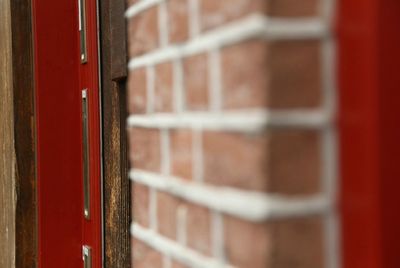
{"x": 231, "y": 135}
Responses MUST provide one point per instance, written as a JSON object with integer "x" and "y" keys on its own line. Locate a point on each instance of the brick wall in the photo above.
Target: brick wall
{"x": 232, "y": 144}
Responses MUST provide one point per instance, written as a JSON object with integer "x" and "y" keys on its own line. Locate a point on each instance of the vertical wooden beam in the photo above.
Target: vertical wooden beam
{"x": 7, "y": 159}
{"x": 24, "y": 129}
{"x": 116, "y": 183}
{"x": 118, "y": 44}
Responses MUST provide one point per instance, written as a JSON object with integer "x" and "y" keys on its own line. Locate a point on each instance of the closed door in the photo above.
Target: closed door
{"x": 68, "y": 133}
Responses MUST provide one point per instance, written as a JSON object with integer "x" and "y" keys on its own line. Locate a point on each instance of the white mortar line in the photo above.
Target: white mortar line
{"x": 179, "y": 93}
{"x": 188, "y": 257}
{"x": 197, "y": 155}
{"x": 329, "y": 148}
{"x": 165, "y": 152}
{"x": 332, "y": 234}
{"x": 163, "y": 28}
{"x": 294, "y": 29}
{"x": 150, "y": 82}
{"x": 167, "y": 262}
{"x": 254, "y": 26}
{"x": 328, "y": 11}
{"x": 329, "y": 75}
{"x": 243, "y": 121}
{"x": 330, "y": 167}
{"x": 214, "y": 80}
{"x": 181, "y": 226}
{"x": 194, "y": 18}
{"x": 332, "y": 238}
{"x": 153, "y": 209}
{"x": 141, "y": 6}
{"x": 217, "y": 236}
{"x": 248, "y": 205}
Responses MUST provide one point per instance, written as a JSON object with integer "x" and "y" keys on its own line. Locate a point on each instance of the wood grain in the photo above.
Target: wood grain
{"x": 117, "y": 215}
{"x": 24, "y": 114}
{"x": 7, "y": 159}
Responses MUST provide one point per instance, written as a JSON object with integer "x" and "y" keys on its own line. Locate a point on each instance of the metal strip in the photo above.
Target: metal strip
{"x": 82, "y": 30}
{"x": 87, "y": 256}
{"x": 101, "y": 129}
{"x": 86, "y": 172}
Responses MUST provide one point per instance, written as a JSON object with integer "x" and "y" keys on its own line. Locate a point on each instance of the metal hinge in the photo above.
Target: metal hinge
{"x": 87, "y": 256}
{"x": 82, "y": 30}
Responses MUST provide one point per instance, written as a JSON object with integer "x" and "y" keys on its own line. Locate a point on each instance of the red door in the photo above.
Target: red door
{"x": 68, "y": 133}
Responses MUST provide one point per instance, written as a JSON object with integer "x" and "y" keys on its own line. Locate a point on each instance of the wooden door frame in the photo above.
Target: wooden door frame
{"x": 7, "y": 161}
{"x": 369, "y": 130}
{"x": 117, "y": 198}
{"x": 116, "y": 185}
{"x": 24, "y": 131}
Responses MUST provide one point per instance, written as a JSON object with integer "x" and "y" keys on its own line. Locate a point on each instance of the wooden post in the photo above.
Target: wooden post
{"x": 24, "y": 134}
{"x": 117, "y": 197}
{"x": 7, "y": 158}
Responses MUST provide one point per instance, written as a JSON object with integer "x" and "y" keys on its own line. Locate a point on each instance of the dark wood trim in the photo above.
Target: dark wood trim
{"x": 117, "y": 216}
{"x": 118, "y": 44}
{"x": 24, "y": 131}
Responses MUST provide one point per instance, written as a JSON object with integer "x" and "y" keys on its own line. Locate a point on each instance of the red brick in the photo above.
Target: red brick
{"x": 178, "y": 265}
{"x": 281, "y": 161}
{"x": 280, "y": 244}
{"x": 181, "y": 153}
{"x": 144, "y": 149}
{"x": 297, "y": 243}
{"x": 294, "y": 162}
{"x": 236, "y": 160}
{"x": 178, "y": 20}
{"x": 295, "y": 74}
{"x": 167, "y": 206}
{"x": 272, "y": 75}
{"x": 196, "y": 82}
{"x": 137, "y": 91}
{"x": 144, "y": 256}
{"x": 245, "y": 75}
{"x": 215, "y": 13}
{"x": 140, "y": 204}
{"x": 293, "y": 8}
{"x": 163, "y": 88}
{"x": 247, "y": 244}
{"x": 143, "y": 32}
{"x": 199, "y": 229}
{"x": 131, "y": 2}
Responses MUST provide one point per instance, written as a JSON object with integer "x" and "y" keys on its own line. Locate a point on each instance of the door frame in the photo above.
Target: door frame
{"x": 369, "y": 131}
{"x": 117, "y": 194}
{"x": 116, "y": 215}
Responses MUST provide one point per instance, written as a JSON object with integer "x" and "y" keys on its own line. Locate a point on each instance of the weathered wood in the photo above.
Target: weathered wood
{"x": 7, "y": 159}
{"x": 118, "y": 45}
{"x": 116, "y": 183}
{"x": 24, "y": 129}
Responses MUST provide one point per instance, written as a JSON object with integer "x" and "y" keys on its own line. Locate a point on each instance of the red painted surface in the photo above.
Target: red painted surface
{"x": 389, "y": 124}
{"x": 59, "y": 80}
{"x": 89, "y": 79}
{"x": 369, "y": 123}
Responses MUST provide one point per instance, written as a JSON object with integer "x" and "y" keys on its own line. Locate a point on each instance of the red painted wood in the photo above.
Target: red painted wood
{"x": 368, "y": 42}
{"x": 359, "y": 137}
{"x": 59, "y": 79}
{"x": 389, "y": 125}
{"x": 89, "y": 79}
